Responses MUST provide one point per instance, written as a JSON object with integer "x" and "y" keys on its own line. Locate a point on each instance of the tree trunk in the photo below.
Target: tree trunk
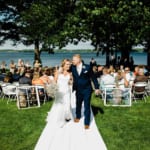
{"x": 148, "y": 56}
{"x": 125, "y": 52}
{"x": 107, "y": 56}
{"x": 37, "y": 52}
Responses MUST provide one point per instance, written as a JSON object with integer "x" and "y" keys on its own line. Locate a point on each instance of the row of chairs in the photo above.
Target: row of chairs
{"x": 26, "y": 95}
{"x": 121, "y": 96}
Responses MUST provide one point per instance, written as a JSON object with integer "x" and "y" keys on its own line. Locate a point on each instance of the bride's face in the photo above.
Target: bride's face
{"x": 67, "y": 65}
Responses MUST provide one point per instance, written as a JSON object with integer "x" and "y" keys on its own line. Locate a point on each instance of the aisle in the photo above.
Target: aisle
{"x": 72, "y": 136}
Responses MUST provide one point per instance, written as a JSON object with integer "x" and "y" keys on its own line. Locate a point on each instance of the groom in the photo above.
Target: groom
{"x": 82, "y": 76}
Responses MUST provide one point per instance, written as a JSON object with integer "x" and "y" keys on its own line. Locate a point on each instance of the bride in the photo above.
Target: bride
{"x": 60, "y": 112}
{"x": 61, "y": 132}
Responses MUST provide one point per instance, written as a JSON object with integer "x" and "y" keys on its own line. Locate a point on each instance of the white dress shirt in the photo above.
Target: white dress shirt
{"x": 79, "y": 68}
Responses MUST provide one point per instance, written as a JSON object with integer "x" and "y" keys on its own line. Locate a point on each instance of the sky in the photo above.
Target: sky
{"x": 81, "y": 45}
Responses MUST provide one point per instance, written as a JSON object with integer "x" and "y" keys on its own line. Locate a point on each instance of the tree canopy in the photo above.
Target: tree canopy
{"x": 108, "y": 24}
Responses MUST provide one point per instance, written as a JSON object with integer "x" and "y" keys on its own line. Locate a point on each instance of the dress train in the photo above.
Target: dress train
{"x": 71, "y": 136}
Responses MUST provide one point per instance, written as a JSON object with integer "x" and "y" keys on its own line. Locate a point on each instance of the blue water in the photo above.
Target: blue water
{"x": 55, "y": 59}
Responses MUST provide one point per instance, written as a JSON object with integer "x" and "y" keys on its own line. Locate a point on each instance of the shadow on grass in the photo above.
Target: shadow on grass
{"x": 96, "y": 109}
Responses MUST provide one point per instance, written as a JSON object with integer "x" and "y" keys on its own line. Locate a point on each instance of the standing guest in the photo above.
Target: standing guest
{"x": 20, "y": 63}
{"x": 12, "y": 66}
{"x": 37, "y": 64}
{"x": 27, "y": 64}
{"x": 93, "y": 62}
{"x": 126, "y": 62}
{"x": 131, "y": 63}
{"x": 3, "y": 67}
{"x": 82, "y": 76}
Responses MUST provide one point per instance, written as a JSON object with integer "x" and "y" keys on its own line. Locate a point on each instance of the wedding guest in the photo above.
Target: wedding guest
{"x": 106, "y": 79}
{"x": 136, "y": 71}
{"x": 131, "y": 63}
{"x": 120, "y": 79}
{"x": 45, "y": 76}
{"x": 27, "y": 64}
{"x": 16, "y": 75}
{"x": 26, "y": 79}
{"x": 140, "y": 78}
{"x": 12, "y": 66}
{"x": 129, "y": 76}
{"x": 93, "y": 62}
{"x": 3, "y": 67}
{"x": 20, "y": 63}
{"x": 8, "y": 78}
{"x": 51, "y": 73}
{"x": 37, "y": 64}
{"x": 36, "y": 79}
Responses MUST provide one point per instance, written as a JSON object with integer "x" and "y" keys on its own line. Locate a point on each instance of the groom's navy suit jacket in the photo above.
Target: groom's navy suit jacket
{"x": 83, "y": 81}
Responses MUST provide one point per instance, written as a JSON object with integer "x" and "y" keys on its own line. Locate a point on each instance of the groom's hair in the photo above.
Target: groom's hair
{"x": 78, "y": 56}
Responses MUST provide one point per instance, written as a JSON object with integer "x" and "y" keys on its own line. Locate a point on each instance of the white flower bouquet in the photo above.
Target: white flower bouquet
{"x": 51, "y": 89}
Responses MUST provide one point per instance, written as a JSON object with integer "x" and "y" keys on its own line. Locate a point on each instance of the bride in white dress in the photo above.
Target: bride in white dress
{"x": 60, "y": 112}
{"x": 61, "y": 132}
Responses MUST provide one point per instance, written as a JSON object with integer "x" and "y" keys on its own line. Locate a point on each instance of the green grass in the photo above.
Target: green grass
{"x": 122, "y": 128}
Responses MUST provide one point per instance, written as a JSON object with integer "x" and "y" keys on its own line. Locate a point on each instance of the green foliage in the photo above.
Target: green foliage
{"x": 57, "y": 23}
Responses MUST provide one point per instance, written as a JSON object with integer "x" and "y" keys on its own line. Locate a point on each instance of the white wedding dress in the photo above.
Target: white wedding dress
{"x": 59, "y": 134}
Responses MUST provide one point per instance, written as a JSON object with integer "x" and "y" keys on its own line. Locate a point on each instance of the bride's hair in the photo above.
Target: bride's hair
{"x": 64, "y": 62}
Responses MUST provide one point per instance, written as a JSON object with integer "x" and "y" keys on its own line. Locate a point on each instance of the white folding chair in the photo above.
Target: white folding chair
{"x": 117, "y": 97}
{"x": 27, "y": 96}
{"x": 42, "y": 93}
{"x": 9, "y": 91}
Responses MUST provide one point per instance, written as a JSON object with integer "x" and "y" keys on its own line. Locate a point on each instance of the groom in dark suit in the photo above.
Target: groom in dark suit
{"x": 82, "y": 77}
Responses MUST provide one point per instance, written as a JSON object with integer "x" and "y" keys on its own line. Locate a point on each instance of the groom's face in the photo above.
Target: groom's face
{"x": 76, "y": 60}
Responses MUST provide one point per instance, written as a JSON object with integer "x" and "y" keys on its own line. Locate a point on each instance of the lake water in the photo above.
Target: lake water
{"x": 55, "y": 59}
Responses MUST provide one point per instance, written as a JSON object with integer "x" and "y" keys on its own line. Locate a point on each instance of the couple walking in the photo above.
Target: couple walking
{"x": 63, "y": 118}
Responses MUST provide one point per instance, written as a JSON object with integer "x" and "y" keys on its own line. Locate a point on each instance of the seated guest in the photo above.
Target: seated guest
{"x": 36, "y": 79}
{"x": 120, "y": 79}
{"x": 129, "y": 76}
{"x": 136, "y": 70}
{"x": 8, "y": 78}
{"x": 106, "y": 79}
{"x": 140, "y": 78}
{"x": 45, "y": 76}
{"x": 16, "y": 75}
{"x": 99, "y": 71}
{"x": 26, "y": 79}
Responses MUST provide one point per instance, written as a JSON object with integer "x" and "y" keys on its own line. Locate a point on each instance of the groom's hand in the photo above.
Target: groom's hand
{"x": 97, "y": 91}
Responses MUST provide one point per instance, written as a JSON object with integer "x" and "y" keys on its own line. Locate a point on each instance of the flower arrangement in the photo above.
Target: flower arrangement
{"x": 51, "y": 89}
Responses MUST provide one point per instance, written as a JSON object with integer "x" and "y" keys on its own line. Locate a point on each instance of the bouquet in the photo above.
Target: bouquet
{"x": 51, "y": 89}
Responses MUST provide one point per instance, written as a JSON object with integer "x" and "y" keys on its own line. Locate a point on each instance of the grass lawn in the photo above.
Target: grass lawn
{"x": 122, "y": 128}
